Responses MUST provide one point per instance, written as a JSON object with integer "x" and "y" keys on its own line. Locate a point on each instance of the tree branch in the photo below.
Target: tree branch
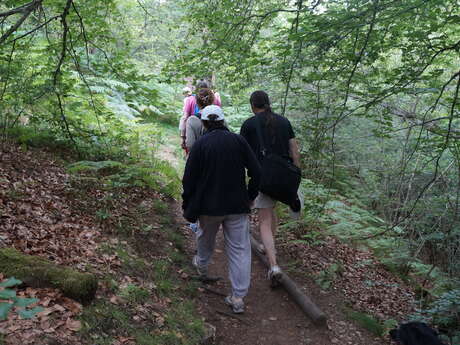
{"x": 35, "y": 29}
{"x": 294, "y": 61}
{"x": 57, "y": 72}
{"x": 19, "y": 9}
{"x": 27, "y": 10}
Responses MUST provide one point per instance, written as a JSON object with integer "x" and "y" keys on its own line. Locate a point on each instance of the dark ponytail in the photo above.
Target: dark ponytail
{"x": 259, "y": 99}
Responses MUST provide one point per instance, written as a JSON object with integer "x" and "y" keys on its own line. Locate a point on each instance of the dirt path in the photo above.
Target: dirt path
{"x": 271, "y": 317}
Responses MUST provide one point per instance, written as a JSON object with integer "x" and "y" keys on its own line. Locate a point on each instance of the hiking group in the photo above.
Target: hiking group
{"x": 215, "y": 192}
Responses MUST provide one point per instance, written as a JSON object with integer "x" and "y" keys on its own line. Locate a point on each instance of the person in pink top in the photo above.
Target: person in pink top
{"x": 191, "y": 107}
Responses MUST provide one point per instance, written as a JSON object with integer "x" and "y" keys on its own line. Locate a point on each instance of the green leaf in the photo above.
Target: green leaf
{"x": 24, "y": 302}
{"x": 4, "y": 310}
{"x": 7, "y": 294}
{"x": 28, "y": 314}
{"x": 10, "y": 282}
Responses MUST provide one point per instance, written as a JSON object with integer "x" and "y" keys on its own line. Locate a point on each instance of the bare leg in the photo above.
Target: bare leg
{"x": 267, "y": 220}
{"x": 274, "y": 222}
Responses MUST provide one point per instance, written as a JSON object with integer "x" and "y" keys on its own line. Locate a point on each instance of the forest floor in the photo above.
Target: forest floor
{"x": 136, "y": 242}
{"x": 271, "y": 317}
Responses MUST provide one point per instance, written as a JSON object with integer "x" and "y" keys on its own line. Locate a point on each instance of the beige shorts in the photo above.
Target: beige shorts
{"x": 264, "y": 201}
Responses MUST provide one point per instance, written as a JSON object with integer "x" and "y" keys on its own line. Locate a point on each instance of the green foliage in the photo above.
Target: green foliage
{"x": 162, "y": 277}
{"x": 38, "y": 137}
{"x": 371, "y": 88}
{"x": 182, "y": 319}
{"x": 326, "y": 277}
{"x": 10, "y": 301}
{"x": 445, "y": 313}
{"x": 135, "y": 294}
{"x": 236, "y": 114}
{"x": 156, "y": 174}
{"x": 177, "y": 325}
{"x": 446, "y": 309}
{"x": 102, "y": 167}
{"x": 367, "y": 321}
{"x": 102, "y": 317}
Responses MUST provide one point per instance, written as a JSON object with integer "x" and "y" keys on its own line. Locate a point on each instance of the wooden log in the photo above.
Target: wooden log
{"x": 38, "y": 272}
{"x": 302, "y": 300}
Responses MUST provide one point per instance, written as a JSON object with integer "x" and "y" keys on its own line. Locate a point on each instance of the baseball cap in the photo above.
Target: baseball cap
{"x": 212, "y": 110}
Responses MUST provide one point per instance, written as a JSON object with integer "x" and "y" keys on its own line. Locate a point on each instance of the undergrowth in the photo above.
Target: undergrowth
{"x": 376, "y": 327}
{"x": 154, "y": 261}
{"x": 157, "y": 175}
{"x": 327, "y": 212}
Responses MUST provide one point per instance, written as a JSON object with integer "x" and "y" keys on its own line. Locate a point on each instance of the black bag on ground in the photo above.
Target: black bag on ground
{"x": 280, "y": 178}
{"x": 415, "y": 333}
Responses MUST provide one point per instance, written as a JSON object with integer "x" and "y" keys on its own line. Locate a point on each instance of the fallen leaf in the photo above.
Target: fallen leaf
{"x": 73, "y": 325}
{"x": 58, "y": 307}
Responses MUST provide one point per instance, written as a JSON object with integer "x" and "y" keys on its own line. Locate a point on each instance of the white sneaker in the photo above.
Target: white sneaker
{"x": 274, "y": 273}
{"x": 202, "y": 271}
{"x": 237, "y": 306}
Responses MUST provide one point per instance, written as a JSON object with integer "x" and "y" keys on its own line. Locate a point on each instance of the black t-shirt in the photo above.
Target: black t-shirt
{"x": 276, "y": 136}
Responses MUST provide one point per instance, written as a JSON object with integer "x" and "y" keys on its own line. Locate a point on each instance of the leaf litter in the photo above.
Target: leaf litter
{"x": 47, "y": 212}
{"x": 363, "y": 281}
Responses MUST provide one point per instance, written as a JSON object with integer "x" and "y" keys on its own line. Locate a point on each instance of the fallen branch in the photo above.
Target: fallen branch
{"x": 302, "y": 300}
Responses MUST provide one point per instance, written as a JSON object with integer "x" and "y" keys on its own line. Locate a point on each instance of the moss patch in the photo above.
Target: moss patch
{"x": 366, "y": 321}
{"x": 39, "y": 272}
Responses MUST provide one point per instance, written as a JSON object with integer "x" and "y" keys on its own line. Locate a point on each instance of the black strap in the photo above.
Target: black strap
{"x": 259, "y": 136}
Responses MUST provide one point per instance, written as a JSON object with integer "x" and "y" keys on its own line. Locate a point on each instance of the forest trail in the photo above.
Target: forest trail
{"x": 136, "y": 240}
{"x": 91, "y": 96}
{"x": 271, "y": 316}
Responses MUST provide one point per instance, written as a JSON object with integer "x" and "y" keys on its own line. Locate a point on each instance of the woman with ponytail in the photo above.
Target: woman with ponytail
{"x": 194, "y": 128}
{"x": 191, "y": 108}
{"x": 276, "y": 135}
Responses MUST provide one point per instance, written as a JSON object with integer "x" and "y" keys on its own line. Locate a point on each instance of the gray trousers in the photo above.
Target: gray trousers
{"x": 237, "y": 247}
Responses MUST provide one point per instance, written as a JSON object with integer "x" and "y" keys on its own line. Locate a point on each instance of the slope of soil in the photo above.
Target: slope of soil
{"x": 125, "y": 236}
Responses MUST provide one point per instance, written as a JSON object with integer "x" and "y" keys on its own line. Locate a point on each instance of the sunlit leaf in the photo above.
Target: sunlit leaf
{"x": 4, "y": 309}
{"x": 28, "y": 314}
{"x": 10, "y": 282}
{"x": 7, "y": 294}
{"x": 24, "y": 302}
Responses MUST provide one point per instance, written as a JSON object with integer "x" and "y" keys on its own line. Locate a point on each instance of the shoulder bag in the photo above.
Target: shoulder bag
{"x": 280, "y": 178}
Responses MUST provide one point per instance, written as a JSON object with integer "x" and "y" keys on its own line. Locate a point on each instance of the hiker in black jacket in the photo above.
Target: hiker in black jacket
{"x": 215, "y": 192}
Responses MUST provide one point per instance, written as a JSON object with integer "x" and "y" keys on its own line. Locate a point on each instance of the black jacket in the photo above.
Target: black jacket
{"x": 214, "y": 180}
